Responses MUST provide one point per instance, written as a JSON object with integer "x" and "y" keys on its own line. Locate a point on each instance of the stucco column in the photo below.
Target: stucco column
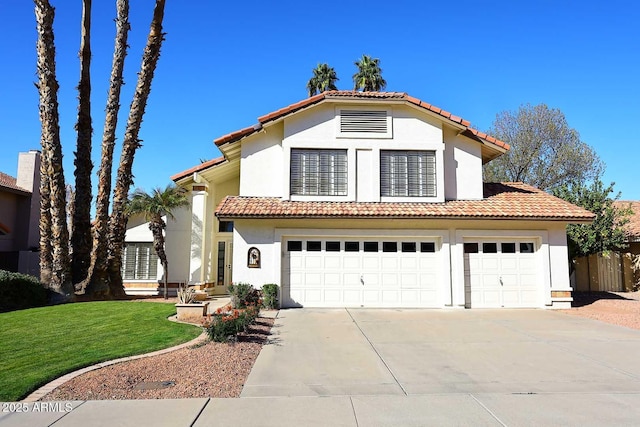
{"x": 198, "y": 259}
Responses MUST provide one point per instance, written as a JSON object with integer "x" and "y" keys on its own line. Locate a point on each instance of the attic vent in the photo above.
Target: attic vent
{"x": 362, "y": 121}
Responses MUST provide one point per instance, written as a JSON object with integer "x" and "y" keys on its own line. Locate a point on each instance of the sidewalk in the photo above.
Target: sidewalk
{"x": 579, "y": 409}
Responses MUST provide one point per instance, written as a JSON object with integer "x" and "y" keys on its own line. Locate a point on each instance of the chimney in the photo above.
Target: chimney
{"x": 29, "y": 179}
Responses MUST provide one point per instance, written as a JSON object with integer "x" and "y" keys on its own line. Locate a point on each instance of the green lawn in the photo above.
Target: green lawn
{"x": 41, "y": 344}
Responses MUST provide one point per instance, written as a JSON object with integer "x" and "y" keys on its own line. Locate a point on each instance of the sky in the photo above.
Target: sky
{"x": 224, "y": 64}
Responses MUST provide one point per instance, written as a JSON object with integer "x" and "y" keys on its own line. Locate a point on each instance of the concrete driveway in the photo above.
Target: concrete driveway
{"x": 509, "y": 367}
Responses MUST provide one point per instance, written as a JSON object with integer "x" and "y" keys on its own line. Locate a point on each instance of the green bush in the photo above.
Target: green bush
{"x": 270, "y": 296}
{"x": 243, "y": 295}
{"x": 19, "y": 291}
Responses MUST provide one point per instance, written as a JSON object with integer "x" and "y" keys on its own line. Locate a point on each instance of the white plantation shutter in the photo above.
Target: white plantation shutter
{"x": 407, "y": 173}
{"x": 363, "y": 121}
{"x": 318, "y": 172}
{"x": 140, "y": 262}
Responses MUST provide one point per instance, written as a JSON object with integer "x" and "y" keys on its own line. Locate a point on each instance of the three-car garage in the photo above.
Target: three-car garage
{"x": 410, "y": 271}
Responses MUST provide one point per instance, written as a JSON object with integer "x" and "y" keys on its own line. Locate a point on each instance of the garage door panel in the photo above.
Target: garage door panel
{"x": 332, "y": 262}
{"x": 429, "y": 297}
{"x": 428, "y": 281}
{"x": 428, "y": 262}
{"x": 370, "y": 263}
{"x": 295, "y": 261}
{"x": 352, "y": 297}
{"x": 313, "y": 262}
{"x": 389, "y": 280}
{"x": 390, "y": 297}
{"x": 409, "y": 280}
{"x": 389, "y": 263}
{"x": 351, "y": 262}
{"x": 333, "y": 296}
{"x": 407, "y": 263}
{"x": 332, "y": 279}
{"x": 509, "y": 264}
{"x": 312, "y": 279}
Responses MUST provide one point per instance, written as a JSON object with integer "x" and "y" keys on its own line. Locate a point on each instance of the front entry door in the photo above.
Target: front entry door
{"x": 224, "y": 265}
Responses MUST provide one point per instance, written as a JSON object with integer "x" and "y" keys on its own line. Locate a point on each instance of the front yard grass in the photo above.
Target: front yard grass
{"x": 41, "y": 344}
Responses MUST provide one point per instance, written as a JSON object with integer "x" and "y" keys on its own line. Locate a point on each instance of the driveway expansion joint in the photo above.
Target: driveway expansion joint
{"x": 377, "y": 353}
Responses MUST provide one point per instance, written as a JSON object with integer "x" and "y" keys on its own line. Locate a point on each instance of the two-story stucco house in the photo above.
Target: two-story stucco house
{"x": 375, "y": 199}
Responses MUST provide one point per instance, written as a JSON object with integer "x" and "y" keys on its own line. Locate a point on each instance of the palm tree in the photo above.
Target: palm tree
{"x": 369, "y": 75}
{"x": 153, "y": 207}
{"x": 81, "y": 241}
{"x": 53, "y": 204}
{"x": 130, "y": 143}
{"x": 324, "y": 78}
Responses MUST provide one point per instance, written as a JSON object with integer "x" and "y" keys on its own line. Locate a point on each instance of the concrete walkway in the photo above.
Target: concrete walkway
{"x": 405, "y": 368}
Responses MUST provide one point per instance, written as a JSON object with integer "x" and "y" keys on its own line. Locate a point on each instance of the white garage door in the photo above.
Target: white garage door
{"x": 501, "y": 273}
{"x": 358, "y": 272}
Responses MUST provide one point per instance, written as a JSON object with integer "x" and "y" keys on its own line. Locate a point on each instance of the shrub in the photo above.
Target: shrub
{"x": 270, "y": 296}
{"x": 19, "y": 291}
{"x": 186, "y": 294}
{"x": 243, "y": 295}
{"x": 225, "y": 326}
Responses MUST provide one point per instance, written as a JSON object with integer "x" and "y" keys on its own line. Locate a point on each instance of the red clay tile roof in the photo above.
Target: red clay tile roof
{"x": 198, "y": 168}
{"x": 633, "y": 227}
{"x": 510, "y": 200}
{"x": 8, "y": 182}
{"x": 343, "y": 94}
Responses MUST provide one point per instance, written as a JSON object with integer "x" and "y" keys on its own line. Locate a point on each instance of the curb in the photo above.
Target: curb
{"x": 49, "y": 387}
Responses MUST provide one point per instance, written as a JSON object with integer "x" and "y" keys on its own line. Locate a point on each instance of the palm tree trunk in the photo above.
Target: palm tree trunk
{"x": 157, "y": 225}
{"x": 46, "y": 251}
{"x": 60, "y": 281}
{"x": 81, "y": 241}
{"x": 131, "y": 142}
{"x": 97, "y": 283}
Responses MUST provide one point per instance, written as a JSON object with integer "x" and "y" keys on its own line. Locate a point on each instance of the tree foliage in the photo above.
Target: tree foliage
{"x": 153, "y": 207}
{"x": 607, "y": 230}
{"x": 369, "y": 75}
{"x": 324, "y": 78}
{"x": 545, "y": 152}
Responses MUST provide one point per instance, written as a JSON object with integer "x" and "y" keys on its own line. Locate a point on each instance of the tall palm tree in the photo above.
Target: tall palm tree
{"x": 369, "y": 75}
{"x": 324, "y": 78}
{"x": 53, "y": 199}
{"x": 130, "y": 143}
{"x": 81, "y": 240}
{"x": 97, "y": 282}
{"x": 153, "y": 207}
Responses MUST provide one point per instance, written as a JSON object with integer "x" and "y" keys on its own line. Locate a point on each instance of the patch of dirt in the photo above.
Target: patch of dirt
{"x": 207, "y": 370}
{"x": 618, "y": 308}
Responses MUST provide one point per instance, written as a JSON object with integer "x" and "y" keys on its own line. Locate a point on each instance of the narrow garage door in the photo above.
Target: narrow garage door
{"x": 501, "y": 274}
{"x": 355, "y": 272}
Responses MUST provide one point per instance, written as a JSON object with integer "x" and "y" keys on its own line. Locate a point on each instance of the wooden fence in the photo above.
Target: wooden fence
{"x": 611, "y": 272}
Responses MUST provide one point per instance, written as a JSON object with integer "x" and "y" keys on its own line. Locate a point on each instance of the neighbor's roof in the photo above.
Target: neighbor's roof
{"x": 351, "y": 95}
{"x": 633, "y": 227}
{"x": 509, "y": 200}
{"x": 8, "y": 182}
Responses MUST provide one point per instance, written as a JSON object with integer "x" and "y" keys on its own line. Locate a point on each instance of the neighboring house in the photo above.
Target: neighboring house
{"x": 372, "y": 199}
{"x": 632, "y": 229}
{"x": 19, "y": 216}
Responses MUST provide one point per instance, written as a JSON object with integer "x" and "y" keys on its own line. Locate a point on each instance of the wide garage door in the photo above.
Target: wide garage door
{"x": 502, "y": 273}
{"x": 360, "y": 272}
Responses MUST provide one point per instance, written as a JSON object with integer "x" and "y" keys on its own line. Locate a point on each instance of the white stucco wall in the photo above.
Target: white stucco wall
{"x": 463, "y": 167}
{"x": 262, "y": 163}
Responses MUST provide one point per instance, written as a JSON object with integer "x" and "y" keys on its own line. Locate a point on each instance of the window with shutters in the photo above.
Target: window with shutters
{"x": 364, "y": 123}
{"x": 407, "y": 173}
{"x": 139, "y": 262}
{"x": 318, "y": 172}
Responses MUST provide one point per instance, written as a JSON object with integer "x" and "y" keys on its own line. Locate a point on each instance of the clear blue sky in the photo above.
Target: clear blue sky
{"x": 224, "y": 64}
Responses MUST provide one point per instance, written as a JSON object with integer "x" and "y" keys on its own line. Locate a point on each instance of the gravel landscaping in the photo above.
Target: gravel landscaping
{"x": 208, "y": 370}
{"x": 618, "y": 308}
